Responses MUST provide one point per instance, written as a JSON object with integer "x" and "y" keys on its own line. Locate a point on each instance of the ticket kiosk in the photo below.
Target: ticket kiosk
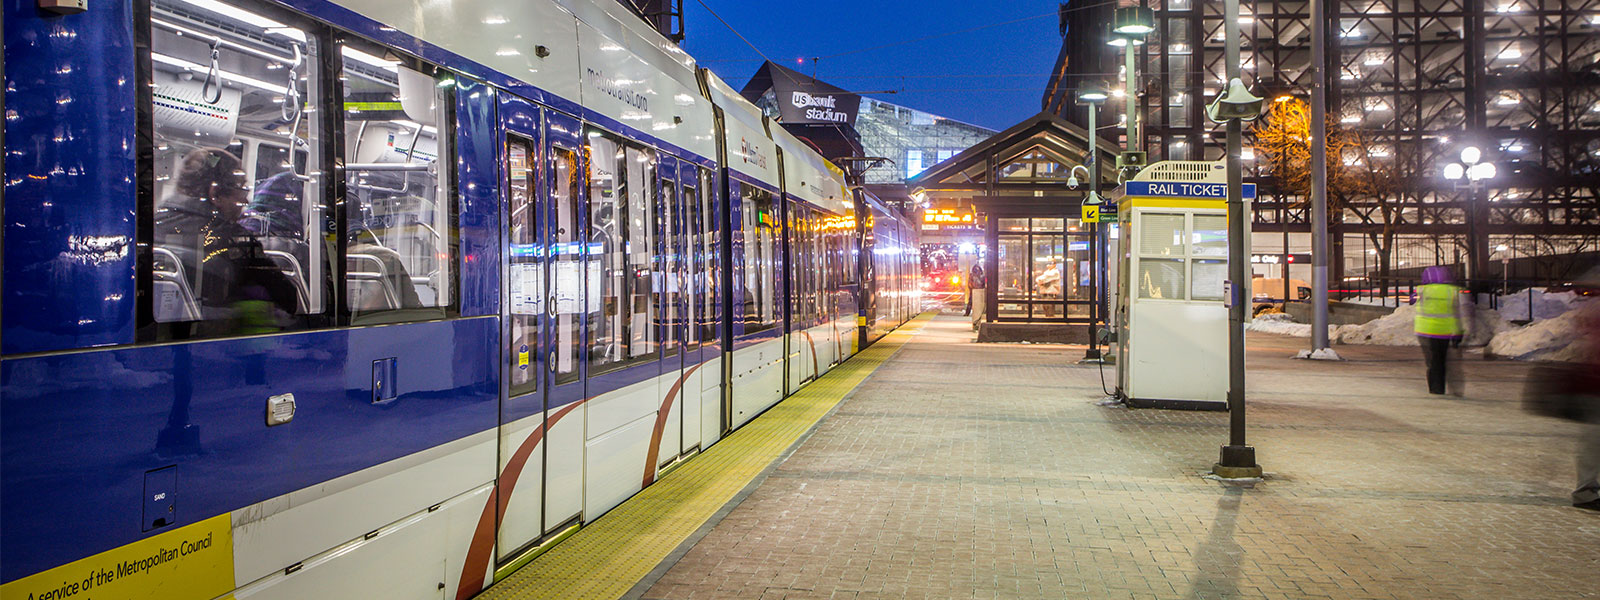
{"x": 1172, "y": 327}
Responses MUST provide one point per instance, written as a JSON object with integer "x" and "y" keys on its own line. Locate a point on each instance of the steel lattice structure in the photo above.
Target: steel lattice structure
{"x": 1417, "y": 79}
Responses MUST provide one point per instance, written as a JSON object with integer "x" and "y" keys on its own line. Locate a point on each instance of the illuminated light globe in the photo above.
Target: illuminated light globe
{"x": 1471, "y": 154}
{"x": 1481, "y": 171}
{"x": 1454, "y": 171}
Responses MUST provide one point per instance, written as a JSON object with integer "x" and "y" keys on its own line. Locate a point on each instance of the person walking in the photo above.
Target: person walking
{"x": 977, "y": 296}
{"x": 1438, "y": 323}
{"x": 1571, "y": 391}
{"x": 1587, "y": 494}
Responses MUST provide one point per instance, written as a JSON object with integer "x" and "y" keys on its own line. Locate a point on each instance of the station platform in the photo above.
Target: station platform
{"x": 935, "y": 467}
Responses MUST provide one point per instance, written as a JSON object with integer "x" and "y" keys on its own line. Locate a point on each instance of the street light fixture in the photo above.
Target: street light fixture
{"x": 1093, "y": 97}
{"x": 1472, "y": 175}
{"x": 1470, "y": 168}
{"x": 1134, "y": 20}
{"x": 1118, "y": 40}
{"x": 1128, "y": 33}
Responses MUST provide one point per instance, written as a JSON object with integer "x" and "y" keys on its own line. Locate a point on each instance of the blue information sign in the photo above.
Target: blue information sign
{"x": 1176, "y": 189}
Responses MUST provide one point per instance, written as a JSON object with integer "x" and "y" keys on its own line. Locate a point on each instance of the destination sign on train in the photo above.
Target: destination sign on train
{"x": 1178, "y": 189}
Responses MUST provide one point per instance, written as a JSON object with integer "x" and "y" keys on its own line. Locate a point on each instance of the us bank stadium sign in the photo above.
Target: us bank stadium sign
{"x": 821, "y": 109}
{"x": 810, "y": 102}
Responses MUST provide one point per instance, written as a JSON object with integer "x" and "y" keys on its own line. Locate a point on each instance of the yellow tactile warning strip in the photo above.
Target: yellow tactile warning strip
{"x": 608, "y": 557}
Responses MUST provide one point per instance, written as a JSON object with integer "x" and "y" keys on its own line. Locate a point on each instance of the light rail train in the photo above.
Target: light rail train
{"x": 374, "y": 298}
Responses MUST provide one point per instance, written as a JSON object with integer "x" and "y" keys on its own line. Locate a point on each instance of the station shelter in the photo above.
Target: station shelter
{"x": 1040, "y": 256}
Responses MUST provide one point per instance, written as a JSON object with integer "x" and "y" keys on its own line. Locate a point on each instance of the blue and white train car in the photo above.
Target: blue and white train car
{"x": 371, "y": 298}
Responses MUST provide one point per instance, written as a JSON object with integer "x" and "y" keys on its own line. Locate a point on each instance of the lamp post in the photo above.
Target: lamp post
{"x": 1130, "y": 25}
{"x": 1092, "y": 97}
{"x": 1472, "y": 175}
{"x": 1235, "y": 104}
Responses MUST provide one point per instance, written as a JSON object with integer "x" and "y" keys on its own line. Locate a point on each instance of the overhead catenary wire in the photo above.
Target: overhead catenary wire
{"x": 735, "y": 31}
{"x": 959, "y": 32}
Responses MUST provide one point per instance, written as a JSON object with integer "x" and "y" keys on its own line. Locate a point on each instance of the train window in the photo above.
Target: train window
{"x": 803, "y": 269}
{"x": 565, "y": 195}
{"x": 668, "y": 281}
{"x": 620, "y": 235}
{"x": 694, "y": 264}
{"x": 399, "y": 234}
{"x": 849, "y": 251}
{"x": 527, "y": 263}
{"x": 710, "y": 250}
{"x": 238, "y": 199}
{"x": 816, "y": 271}
{"x": 758, "y": 221}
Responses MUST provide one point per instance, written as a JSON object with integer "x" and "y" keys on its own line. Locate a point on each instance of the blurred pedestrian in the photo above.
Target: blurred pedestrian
{"x": 977, "y": 293}
{"x": 1587, "y": 495}
{"x": 1048, "y": 287}
{"x": 1438, "y": 323}
{"x": 1583, "y": 389}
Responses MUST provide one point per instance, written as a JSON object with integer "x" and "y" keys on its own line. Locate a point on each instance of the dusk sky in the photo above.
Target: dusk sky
{"x": 993, "y": 77}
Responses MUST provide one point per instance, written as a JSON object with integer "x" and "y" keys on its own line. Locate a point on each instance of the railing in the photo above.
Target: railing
{"x": 1489, "y": 293}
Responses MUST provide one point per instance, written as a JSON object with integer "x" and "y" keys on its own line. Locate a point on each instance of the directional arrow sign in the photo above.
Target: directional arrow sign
{"x": 1091, "y": 213}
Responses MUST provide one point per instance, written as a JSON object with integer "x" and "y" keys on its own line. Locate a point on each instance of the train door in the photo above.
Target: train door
{"x": 801, "y": 355}
{"x": 707, "y": 219}
{"x": 670, "y": 277}
{"x": 691, "y": 224}
{"x": 567, "y": 308}
{"x": 522, "y": 430}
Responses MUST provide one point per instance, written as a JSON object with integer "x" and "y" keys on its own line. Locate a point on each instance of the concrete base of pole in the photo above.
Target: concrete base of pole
{"x": 1238, "y": 462}
{"x": 1092, "y": 354}
{"x": 1320, "y": 354}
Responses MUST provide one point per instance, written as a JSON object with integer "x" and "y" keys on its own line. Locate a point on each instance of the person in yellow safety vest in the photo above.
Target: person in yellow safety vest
{"x": 1438, "y": 322}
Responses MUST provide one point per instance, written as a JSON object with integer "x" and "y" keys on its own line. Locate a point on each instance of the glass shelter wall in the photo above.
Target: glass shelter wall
{"x": 1045, "y": 270}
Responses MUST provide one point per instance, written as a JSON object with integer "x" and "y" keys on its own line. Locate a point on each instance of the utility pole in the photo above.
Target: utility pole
{"x": 1319, "y": 186}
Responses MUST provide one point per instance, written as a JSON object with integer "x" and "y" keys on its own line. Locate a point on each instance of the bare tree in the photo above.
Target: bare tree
{"x": 1365, "y": 179}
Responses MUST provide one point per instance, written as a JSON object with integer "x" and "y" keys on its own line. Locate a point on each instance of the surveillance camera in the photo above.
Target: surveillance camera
{"x": 1072, "y": 182}
{"x": 1235, "y": 103}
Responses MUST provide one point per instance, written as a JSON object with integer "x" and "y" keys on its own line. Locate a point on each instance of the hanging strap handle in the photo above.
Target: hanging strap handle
{"x": 213, "y": 77}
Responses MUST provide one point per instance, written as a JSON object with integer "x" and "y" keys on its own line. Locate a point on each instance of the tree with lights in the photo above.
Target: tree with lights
{"x": 1363, "y": 178}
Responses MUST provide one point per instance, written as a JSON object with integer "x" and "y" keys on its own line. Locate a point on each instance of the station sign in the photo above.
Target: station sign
{"x": 934, "y": 219}
{"x": 1179, "y": 189}
{"x": 1104, "y": 212}
{"x": 1272, "y": 259}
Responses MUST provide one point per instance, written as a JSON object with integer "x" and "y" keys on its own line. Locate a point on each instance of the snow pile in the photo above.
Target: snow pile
{"x": 1554, "y": 335}
{"x": 1393, "y": 329}
{"x": 1546, "y": 305}
{"x": 1559, "y": 338}
{"x": 1399, "y": 328}
{"x": 1278, "y": 323}
{"x": 1282, "y": 324}
{"x": 1540, "y": 340}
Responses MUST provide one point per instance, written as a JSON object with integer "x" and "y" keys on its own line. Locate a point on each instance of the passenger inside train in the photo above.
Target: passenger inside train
{"x": 234, "y": 285}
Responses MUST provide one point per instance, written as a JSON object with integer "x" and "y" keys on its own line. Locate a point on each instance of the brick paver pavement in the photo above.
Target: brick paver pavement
{"x": 961, "y": 470}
